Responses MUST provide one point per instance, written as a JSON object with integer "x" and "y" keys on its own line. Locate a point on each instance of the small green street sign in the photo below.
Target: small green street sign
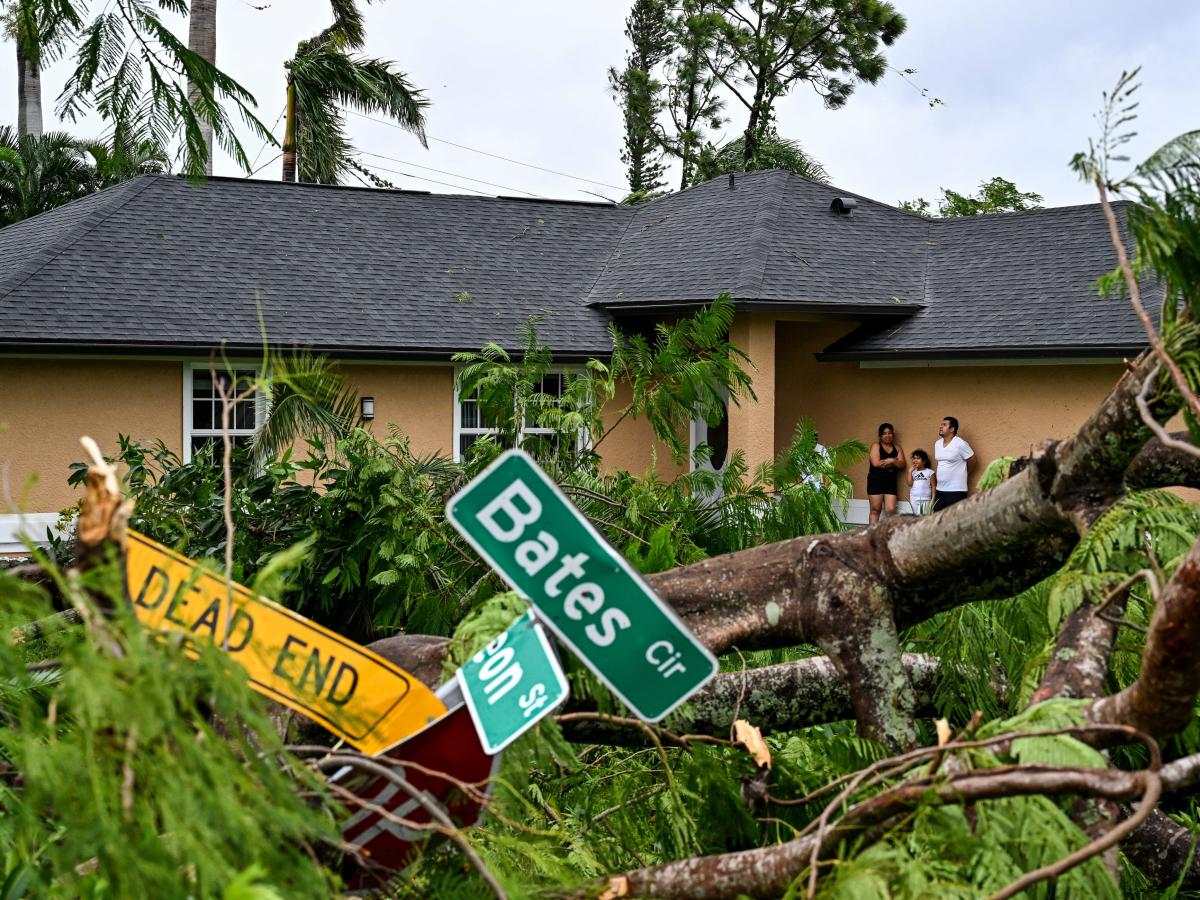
{"x": 587, "y": 593}
{"x": 511, "y": 683}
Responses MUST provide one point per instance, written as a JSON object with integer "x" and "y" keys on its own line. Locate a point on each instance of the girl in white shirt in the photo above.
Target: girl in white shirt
{"x": 922, "y": 483}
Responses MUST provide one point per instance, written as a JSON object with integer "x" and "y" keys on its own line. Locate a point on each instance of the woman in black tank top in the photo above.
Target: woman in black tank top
{"x": 887, "y": 459}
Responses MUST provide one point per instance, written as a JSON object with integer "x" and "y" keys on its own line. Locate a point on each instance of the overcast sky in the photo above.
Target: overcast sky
{"x": 1019, "y": 82}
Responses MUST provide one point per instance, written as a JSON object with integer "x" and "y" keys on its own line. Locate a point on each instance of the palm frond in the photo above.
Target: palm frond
{"x": 308, "y": 399}
{"x": 326, "y": 80}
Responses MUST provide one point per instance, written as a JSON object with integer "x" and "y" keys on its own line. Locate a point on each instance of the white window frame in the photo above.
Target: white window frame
{"x": 459, "y": 430}
{"x": 695, "y": 438}
{"x": 190, "y": 432}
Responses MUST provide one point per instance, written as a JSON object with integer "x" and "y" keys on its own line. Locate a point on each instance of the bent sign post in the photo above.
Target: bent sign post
{"x": 356, "y": 694}
{"x": 586, "y": 592}
{"x": 512, "y": 683}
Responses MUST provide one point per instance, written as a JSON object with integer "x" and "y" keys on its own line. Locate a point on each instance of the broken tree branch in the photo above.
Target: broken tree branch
{"x": 782, "y": 697}
{"x": 1160, "y": 464}
{"x": 1135, "y": 300}
{"x": 1162, "y": 699}
{"x": 770, "y": 871}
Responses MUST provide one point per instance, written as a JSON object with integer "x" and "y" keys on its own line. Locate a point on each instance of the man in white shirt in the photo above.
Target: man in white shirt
{"x": 953, "y": 456}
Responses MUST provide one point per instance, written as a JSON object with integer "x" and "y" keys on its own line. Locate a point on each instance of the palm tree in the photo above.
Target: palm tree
{"x": 202, "y": 40}
{"x": 323, "y": 77}
{"x": 21, "y": 28}
{"x": 773, "y": 152}
{"x": 39, "y": 173}
{"x": 123, "y": 158}
{"x": 308, "y": 398}
{"x": 39, "y": 29}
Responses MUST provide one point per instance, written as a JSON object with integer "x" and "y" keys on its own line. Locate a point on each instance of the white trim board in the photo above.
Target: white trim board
{"x": 12, "y": 526}
{"x": 983, "y": 363}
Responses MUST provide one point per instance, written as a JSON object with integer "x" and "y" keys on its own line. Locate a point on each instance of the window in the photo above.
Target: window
{"x": 471, "y": 425}
{"x": 202, "y": 409}
{"x": 716, "y": 436}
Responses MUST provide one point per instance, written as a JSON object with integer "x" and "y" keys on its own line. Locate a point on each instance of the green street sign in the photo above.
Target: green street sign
{"x": 589, "y": 596}
{"x": 511, "y": 683}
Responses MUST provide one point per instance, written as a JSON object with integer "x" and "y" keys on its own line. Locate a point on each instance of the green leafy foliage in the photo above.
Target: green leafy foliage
{"x": 39, "y": 173}
{"x": 1001, "y": 648}
{"x": 133, "y": 70}
{"x": 640, "y": 94}
{"x": 772, "y": 152}
{"x": 994, "y": 196}
{"x": 694, "y": 104}
{"x": 996, "y": 472}
{"x": 766, "y": 48}
{"x": 145, "y": 771}
{"x": 323, "y": 77}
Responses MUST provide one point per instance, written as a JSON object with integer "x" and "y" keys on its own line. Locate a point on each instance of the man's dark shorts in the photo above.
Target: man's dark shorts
{"x": 948, "y": 498}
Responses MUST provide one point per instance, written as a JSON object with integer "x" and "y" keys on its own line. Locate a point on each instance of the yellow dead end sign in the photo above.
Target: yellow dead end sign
{"x": 353, "y": 692}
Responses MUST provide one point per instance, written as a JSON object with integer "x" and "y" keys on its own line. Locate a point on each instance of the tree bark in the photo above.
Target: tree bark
{"x": 1157, "y": 464}
{"x": 769, "y": 871}
{"x": 202, "y": 40}
{"x": 1163, "y": 698}
{"x": 290, "y": 130}
{"x": 1161, "y": 849}
{"x": 29, "y": 90}
{"x": 776, "y": 698}
{"x": 1079, "y": 666}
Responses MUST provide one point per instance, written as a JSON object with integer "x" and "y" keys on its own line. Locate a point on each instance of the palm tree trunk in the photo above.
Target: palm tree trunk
{"x": 29, "y": 91}
{"x": 202, "y": 40}
{"x": 289, "y": 134}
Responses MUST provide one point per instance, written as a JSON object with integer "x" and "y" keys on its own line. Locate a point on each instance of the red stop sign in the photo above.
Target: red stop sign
{"x": 451, "y": 747}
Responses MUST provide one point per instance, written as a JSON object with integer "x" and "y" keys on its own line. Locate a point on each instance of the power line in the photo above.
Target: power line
{"x": 273, "y": 127}
{"x": 460, "y": 187}
{"x": 264, "y": 165}
{"x": 494, "y": 155}
{"x": 405, "y": 162}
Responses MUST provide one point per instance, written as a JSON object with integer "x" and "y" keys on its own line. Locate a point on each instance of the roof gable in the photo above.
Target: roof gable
{"x": 765, "y": 237}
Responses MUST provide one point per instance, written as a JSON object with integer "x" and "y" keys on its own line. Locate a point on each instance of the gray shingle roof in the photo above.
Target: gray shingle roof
{"x": 765, "y": 237}
{"x": 1013, "y": 284}
{"x": 161, "y": 263}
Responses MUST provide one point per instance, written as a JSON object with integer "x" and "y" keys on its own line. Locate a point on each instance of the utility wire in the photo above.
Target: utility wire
{"x": 264, "y": 165}
{"x": 273, "y": 127}
{"x": 405, "y": 162}
{"x": 493, "y": 155}
{"x": 460, "y": 187}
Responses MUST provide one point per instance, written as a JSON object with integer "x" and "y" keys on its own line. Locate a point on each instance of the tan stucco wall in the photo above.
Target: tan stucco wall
{"x": 1002, "y": 409}
{"x": 752, "y": 422}
{"x": 419, "y": 399}
{"x": 632, "y": 445}
{"x": 47, "y": 404}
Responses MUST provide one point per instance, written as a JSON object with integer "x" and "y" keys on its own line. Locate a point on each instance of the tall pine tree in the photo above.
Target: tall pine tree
{"x": 693, "y": 104}
{"x": 770, "y": 46}
{"x": 640, "y": 94}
